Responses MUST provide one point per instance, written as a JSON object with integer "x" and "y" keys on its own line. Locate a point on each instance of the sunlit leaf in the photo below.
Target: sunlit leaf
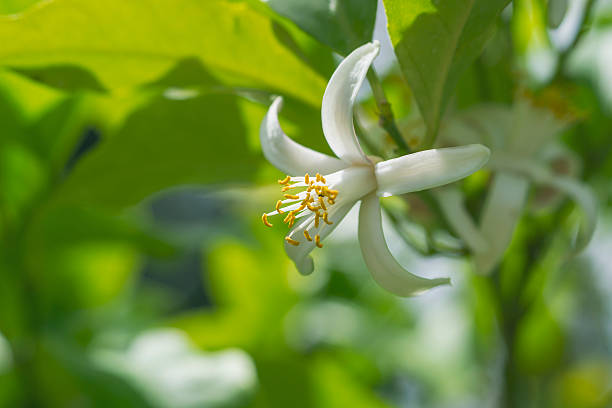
{"x": 15, "y": 6}
{"x": 343, "y": 25}
{"x": 435, "y": 42}
{"x": 125, "y": 44}
{"x": 194, "y": 141}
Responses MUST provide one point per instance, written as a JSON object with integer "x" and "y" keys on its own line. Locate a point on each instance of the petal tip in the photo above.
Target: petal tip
{"x": 306, "y": 266}
{"x": 277, "y": 102}
{"x": 481, "y": 152}
{"x": 375, "y": 45}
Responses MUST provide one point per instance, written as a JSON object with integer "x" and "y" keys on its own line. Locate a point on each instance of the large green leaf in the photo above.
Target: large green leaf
{"x": 15, "y": 6}
{"x": 198, "y": 140}
{"x": 343, "y": 25}
{"x": 435, "y": 41}
{"x": 125, "y": 44}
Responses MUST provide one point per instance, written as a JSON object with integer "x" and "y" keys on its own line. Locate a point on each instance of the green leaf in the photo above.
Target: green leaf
{"x": 434, "y": 42}
{"x": 15, "y": 6}
{"x": 343, "y": 25}
{"x": 126, "y": 44}
{"x": 198, "y": 140}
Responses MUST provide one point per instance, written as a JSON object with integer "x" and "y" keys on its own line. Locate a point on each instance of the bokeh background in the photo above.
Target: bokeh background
{"x": 135, "y": 271}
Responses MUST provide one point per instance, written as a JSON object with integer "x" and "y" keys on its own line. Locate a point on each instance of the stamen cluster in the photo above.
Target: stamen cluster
{"x": 314, "y": 199}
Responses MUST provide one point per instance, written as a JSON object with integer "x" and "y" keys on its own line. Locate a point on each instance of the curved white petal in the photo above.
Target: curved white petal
{"x": 429, "y": 168}
{"x": 542, "y": 175}
{"x": 288, "y": 156}
{"x": 450, "y": 200}
{"x": 382, "y": 265}
{"x": 587, "y": 201}
{"x": 501, "y": 213}
{"x": 300, "y": 254}
{"x": 337, "y": 105}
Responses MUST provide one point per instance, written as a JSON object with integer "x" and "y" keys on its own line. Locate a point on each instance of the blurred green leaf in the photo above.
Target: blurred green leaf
{"x": 198, "y": 140}
{"x": 66, "y": 77}
{"x": 91, "y": 255}
{"x": 435, "y": 42}
{"x": 126, "y": 44}
{"x": 15, "y": 6}
{"x": 67, "y": 375}
{"x": 252, "y": 295}
{"x": 540, "y": 342}
{"x": 342, "y": 25}
{"x": 585, "y": 385}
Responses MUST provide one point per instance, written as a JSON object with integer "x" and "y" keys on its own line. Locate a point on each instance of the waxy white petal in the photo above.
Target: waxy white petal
{"x": 540, "y": 174}
{"x": 352, "y": 184}
{"x": 338, "y": 100}
{"x": 451, "y": 202}
{"x": 300, "y": 254}
{"x": 429, "y": 168}
{"x": 287, "y": 155}
{"x": 385, "y": 270}
{"x": 501, "y": 213}
{"x": 587, "y": 201}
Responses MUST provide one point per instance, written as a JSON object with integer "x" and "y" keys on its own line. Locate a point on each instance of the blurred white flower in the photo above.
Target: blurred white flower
{"x": 331, "y": 186}
{"x": 524, "y": 145}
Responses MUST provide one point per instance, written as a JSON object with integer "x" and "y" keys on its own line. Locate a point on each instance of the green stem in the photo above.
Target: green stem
{"x": 19, "y": 318}
{"x": 385, "y": 114}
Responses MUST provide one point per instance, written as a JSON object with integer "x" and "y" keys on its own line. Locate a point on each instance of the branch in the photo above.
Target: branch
{"x": 385, "y": 114}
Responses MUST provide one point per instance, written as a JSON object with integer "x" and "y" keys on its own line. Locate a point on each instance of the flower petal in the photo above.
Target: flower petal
{"x": 382, "y": 265}
{"x": 429, "y": 168}
{"x": 542, "y": 175}
{"x": 300, "y": 254}
{"x": 451, "y": 202}
{"x": 501, "y": 213}
{"x": 586, "y": 199}
{"x": 337, "y": 105}
{"x": 287, "y": 155}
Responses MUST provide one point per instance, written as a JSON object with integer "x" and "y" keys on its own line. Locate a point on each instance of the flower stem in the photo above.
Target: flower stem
{"x": 385, "y": 114}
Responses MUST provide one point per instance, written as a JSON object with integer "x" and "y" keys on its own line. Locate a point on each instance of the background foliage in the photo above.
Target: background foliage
{"x": 134, "y": 271}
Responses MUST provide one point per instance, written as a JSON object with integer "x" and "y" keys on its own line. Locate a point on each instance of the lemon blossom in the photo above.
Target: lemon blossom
{"x": 320, "y": 189}
{"x": 524, "y": 141}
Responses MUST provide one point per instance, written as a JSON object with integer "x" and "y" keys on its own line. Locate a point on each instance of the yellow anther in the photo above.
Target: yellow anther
{"x": 278, "y": 204}
{"x": 312, "y": 207}
{"x": 318, "y": 241}
{"x": 322, "y": 204}
{"x": 308, "y": 201}
{"x": 288, "y": 217}
{"x": 292, "y": 241}
{"x": 328, "y": 222}
{"x": 264, "y": 218}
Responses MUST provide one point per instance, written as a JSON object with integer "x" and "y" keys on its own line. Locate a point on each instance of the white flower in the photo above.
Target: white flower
{"x": 331, "y": 186}
{"x": 524, "y": 139}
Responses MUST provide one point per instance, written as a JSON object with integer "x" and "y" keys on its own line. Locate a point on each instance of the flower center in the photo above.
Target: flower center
{"x": 315, "y": 198}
